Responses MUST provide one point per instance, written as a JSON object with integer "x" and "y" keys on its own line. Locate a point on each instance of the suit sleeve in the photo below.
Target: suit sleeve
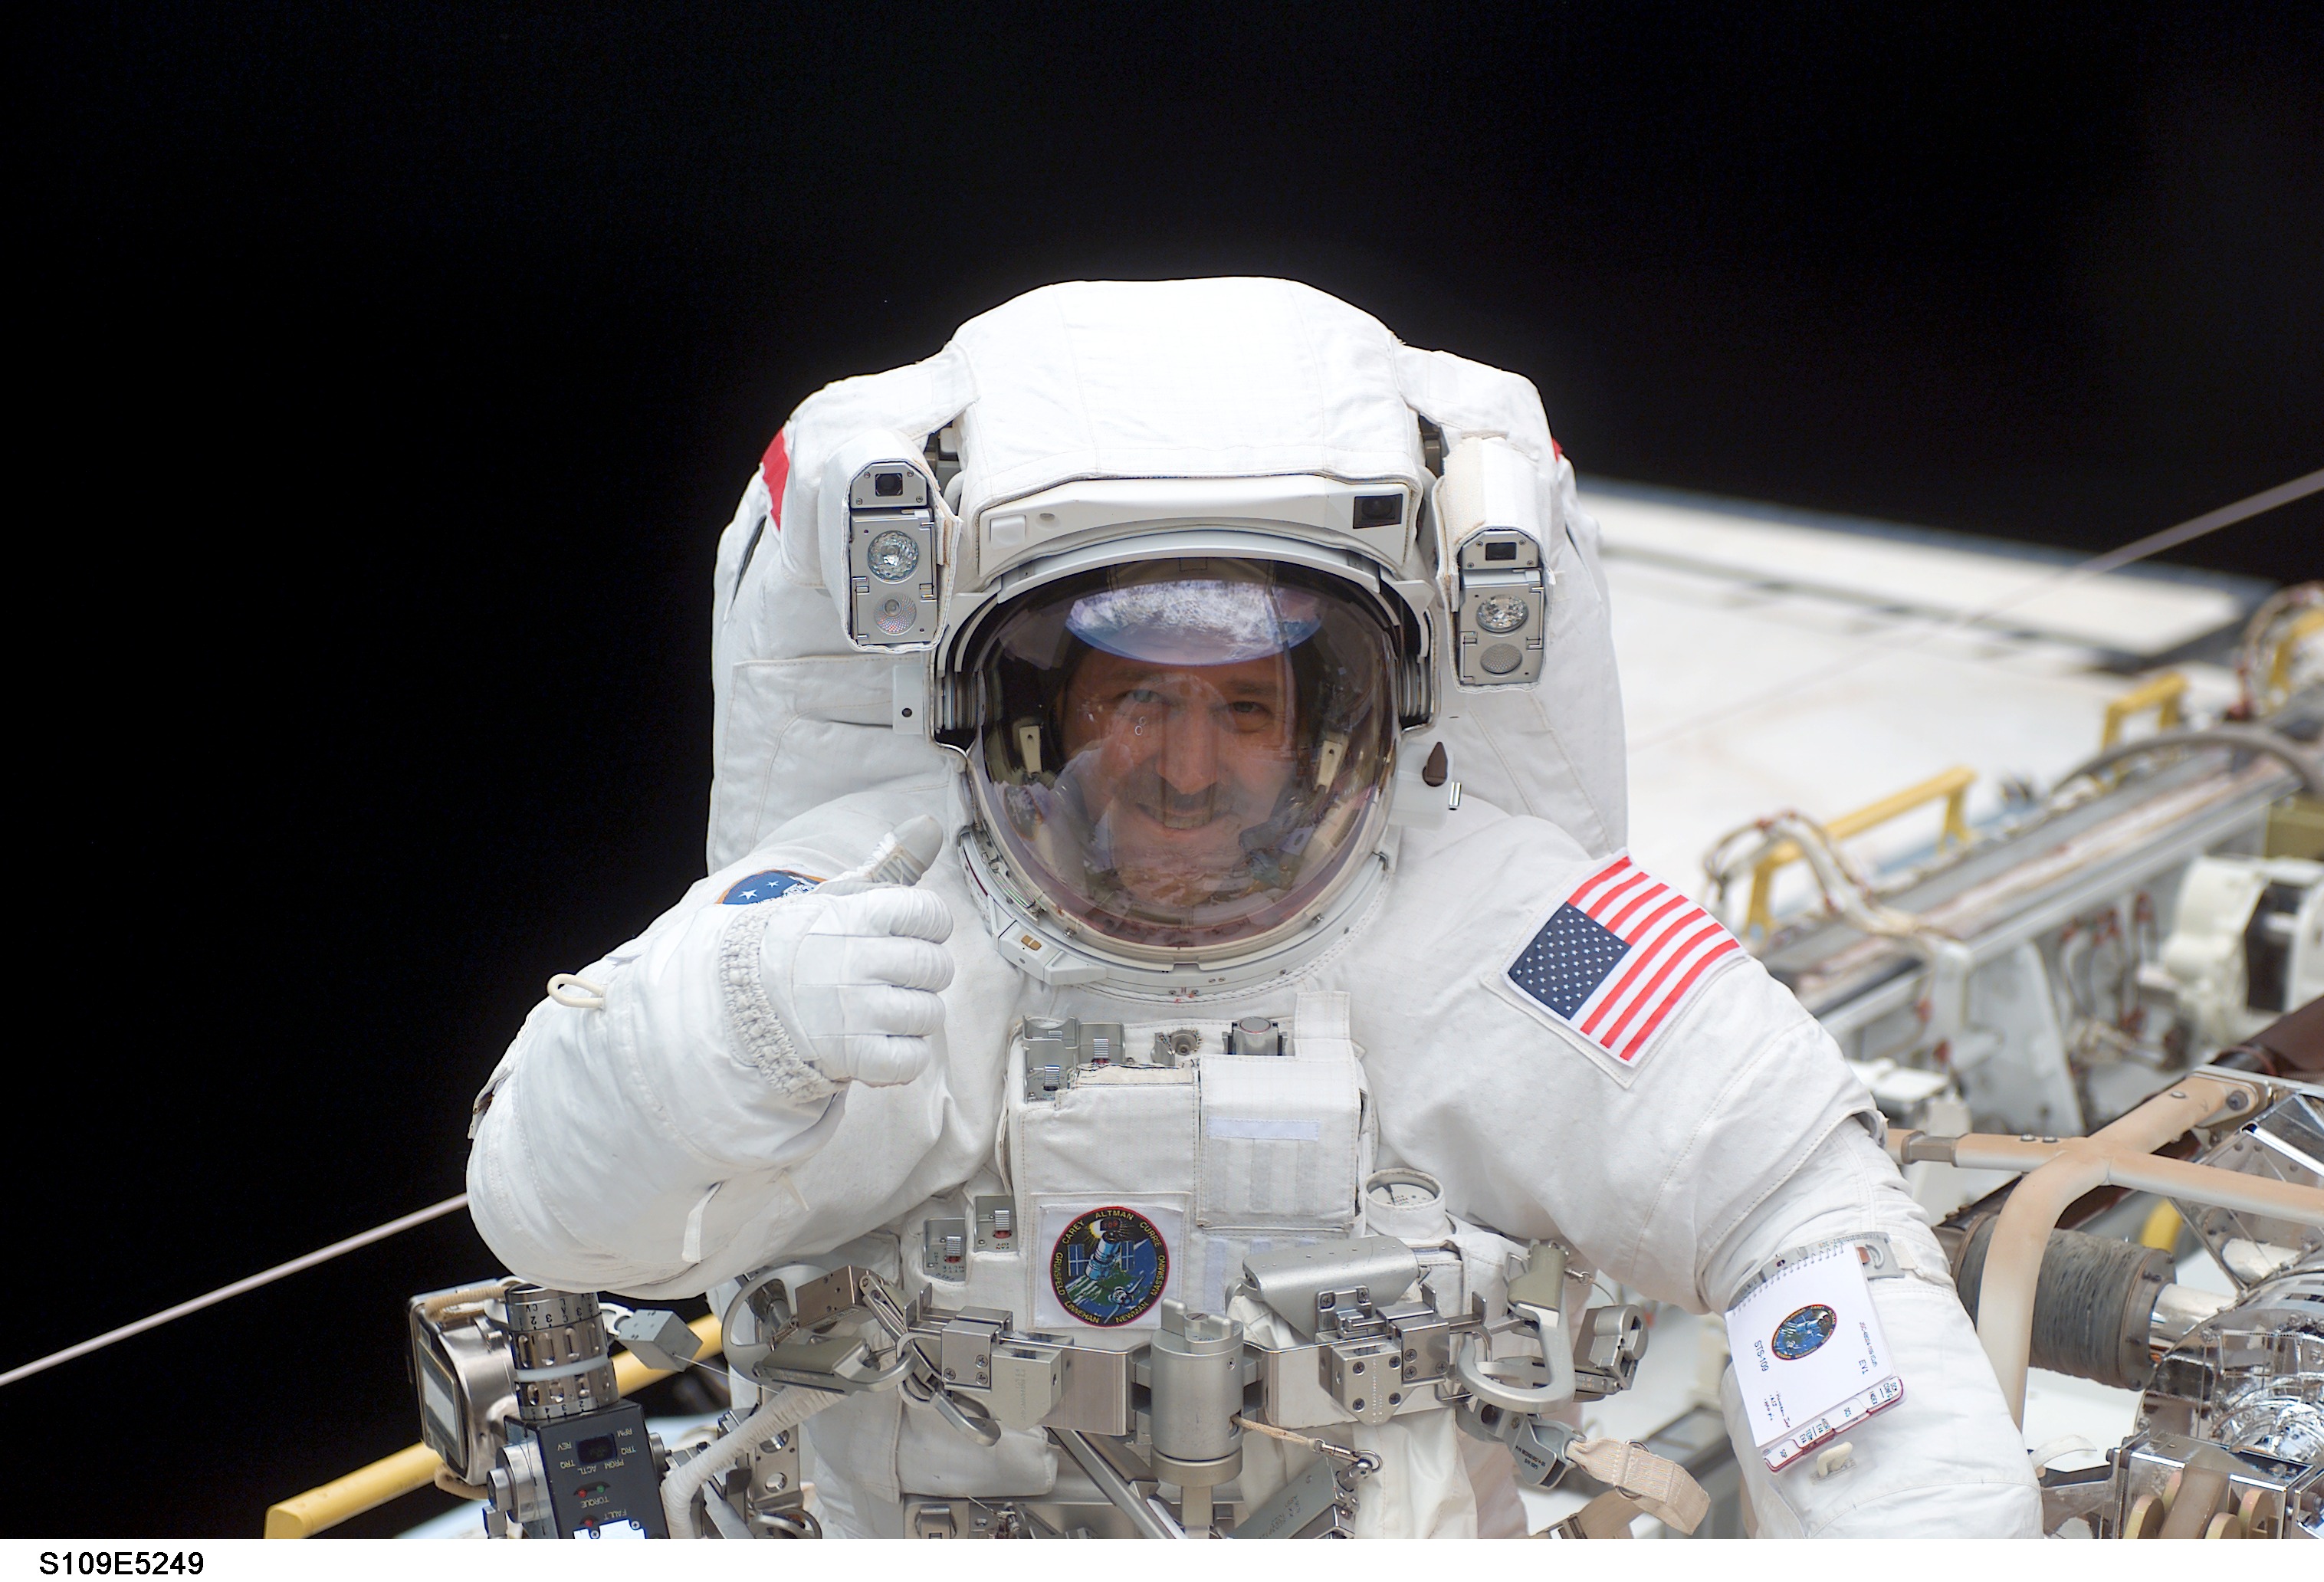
{"x": 648, "y": 1146}
{"x": 1944, "y": 1462}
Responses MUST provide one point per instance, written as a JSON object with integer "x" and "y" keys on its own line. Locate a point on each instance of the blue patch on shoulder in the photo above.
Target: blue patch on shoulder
{"x": 769, "y": 885}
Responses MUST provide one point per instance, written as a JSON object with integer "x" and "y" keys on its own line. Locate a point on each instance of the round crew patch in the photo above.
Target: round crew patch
{"x": 766, "y": 887}
{"x": 1805, "y": 1332}
{"x": 1109, "y": 1266}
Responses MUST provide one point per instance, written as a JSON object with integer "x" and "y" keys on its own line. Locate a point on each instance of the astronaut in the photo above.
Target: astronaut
{"x": 1179, "y": 605}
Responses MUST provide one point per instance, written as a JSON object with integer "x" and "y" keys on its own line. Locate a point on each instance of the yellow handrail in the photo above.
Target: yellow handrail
{"x": 1952, "y": 787}
{"x": 2161, "y": 694}
{"x": 2279, "y": 662}
{"x": 415, "y": 1466}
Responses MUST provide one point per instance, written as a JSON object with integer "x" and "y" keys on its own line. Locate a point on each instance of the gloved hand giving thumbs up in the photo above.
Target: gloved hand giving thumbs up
{"x": 854, "y": 967}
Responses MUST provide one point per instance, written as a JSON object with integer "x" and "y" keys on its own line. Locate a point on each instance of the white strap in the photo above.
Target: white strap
{"x": 691, "y": 1249}
{"x": 1319, "y": 1016}
{"x": 1657, "y": 1486}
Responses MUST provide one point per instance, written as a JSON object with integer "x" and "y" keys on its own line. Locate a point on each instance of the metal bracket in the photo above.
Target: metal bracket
{"x": 1319, "y": 1502}
{"x": 1607, "y": 1350}
{"x": 982, "y": 1377}
{"x": 1873, "y": 1246}
{"x": 1427, "y": 1337}
{"x": 1364, "y": 1375}
{"x": 994, "y": 1220}
{"x": 1328, "y": 1287}
{"x": 1522, "y": 1384}
{"x": 808, "y": 1329}
{"x": 943, "y": 1249}
{"x": 1057, "y": 1049}
{"x": 1540, "y": 1446}
{"x": 660, "y": 1338}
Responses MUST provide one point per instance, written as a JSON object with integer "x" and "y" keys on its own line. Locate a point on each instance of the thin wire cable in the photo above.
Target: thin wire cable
{"x": 2194, "y": 528}
{"x": 223, "y": 1292}
{"x": 2138, "y": 549}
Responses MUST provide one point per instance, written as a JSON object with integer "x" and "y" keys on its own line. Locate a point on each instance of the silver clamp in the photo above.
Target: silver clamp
{"x": 1542, "y": 1447}
{"x": 922, "y": 1383}
{"x": 1528, "y": 1384}
{"x": 1522, "y": 1385}
{"x": 1873, "y": 1247}
{"x": 805, "y": 1327}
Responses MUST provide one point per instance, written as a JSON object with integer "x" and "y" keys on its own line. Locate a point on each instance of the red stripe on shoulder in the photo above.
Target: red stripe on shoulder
{"x": 1592, "y": 887}
{"x": 1678, "y": 991}
{"x": 1680, "y": 938}
{"x": 775, "y": 468}
{"x": 1654, "y": 892}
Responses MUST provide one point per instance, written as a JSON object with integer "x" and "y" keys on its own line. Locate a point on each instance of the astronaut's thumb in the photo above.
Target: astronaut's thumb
{"x": 901, "y": 857}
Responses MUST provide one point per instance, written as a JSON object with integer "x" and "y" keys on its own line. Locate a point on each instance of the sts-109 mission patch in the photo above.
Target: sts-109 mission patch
{"x": 1109, "y": 1266}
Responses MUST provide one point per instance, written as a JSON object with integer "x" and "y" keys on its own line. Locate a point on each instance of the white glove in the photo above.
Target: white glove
{"x": 854, "y": 977}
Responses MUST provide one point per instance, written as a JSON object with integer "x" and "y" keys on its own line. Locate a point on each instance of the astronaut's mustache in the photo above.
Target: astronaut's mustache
{"x": 1147, "y": 791}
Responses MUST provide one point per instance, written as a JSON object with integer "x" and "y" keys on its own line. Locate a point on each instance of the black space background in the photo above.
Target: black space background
{"x": 387, "y": 373}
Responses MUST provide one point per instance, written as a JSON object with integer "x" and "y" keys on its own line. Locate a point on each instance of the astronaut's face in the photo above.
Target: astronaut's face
{"x": 1177, "y": 761}
{"x": 1183, "y": 755}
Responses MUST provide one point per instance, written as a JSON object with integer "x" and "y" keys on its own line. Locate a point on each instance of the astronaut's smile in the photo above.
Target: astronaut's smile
{"x": 1170, "y": 807}
{"x": 1179, "y": 760}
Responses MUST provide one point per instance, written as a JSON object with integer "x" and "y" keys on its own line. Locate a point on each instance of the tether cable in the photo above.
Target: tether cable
{"x": 2137, "y": 549}
{"x": 2194, "y": 528}
{"x": 225, "y": 1293}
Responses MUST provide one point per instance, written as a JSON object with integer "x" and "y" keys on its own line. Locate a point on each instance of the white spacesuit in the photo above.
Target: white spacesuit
{"x": 1162, "y": 597}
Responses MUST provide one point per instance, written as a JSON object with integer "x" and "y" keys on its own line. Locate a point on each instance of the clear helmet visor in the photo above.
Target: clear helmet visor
{"x": 1186, "y": 755}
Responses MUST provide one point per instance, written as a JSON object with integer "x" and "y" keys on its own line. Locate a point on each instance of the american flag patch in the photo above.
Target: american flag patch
{"x": 1620, "y": 955}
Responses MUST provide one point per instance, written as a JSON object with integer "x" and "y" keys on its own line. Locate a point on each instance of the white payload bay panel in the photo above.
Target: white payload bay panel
{"x": 1767, "y": 664}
